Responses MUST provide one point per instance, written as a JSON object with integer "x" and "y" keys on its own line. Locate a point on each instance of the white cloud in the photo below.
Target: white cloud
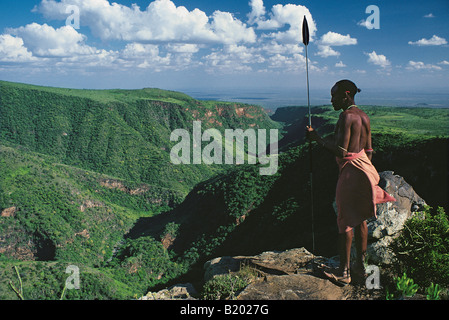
{"x": 65, "y": 48}
{"x": 444, "y": 63}
{"x": 430, "y": 15}
{"x": 419, "y": 65}
{"x": 233, "y": 58}
{"x": 333, "y": 39}
{"x": 13, "y": 50}
{"x": 336, "y": 39}
{"x": 154, "y": 57}
{"x": 183, "y": 48}
{"x": 101, "y": 59}
{"x": 280, "y": 16}
{"x": 274, "y": 47}
{"x": 340, "y": 64}
{"x": 164, "y": 36}
{"x": 162, "y": 20}
{"x": 364, "y": 23}
{"x": 434, "y": 41}
{"x": 46, "y": 41}
{"x": 229, "y": 30}
{"x": 327, "y": 51}
{"x": 291, "y": 63}
{"x": 378, "y": 59}
{"x": 257, "y": 11}
{"x": 133, "y": 51}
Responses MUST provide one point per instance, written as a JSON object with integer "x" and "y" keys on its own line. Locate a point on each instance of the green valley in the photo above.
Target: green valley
{"x": 86, "y": 180}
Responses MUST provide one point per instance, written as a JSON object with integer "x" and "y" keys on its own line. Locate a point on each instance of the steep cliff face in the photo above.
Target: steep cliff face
{"x": 124, "y": 133}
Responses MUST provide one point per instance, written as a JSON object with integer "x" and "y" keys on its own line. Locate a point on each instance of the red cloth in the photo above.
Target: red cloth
{"x": 357, "y": 191}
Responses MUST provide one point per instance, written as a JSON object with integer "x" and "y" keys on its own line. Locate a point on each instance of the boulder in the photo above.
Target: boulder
{"x": 8, "y": 212}
{"x": 301, "y": 286}
{"x": 176, "y": 292}
{"x": 391, "y": 217}
{"x": 270, "y": 262}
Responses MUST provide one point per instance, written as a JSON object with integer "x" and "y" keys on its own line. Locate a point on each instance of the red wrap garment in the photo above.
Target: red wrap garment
{"x": 357, "y": 191}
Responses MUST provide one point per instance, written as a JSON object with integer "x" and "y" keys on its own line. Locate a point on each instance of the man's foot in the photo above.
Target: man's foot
{"x": 341, "y": 278}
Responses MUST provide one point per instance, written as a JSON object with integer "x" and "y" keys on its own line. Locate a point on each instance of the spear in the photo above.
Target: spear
{"x": 305, "y": 40}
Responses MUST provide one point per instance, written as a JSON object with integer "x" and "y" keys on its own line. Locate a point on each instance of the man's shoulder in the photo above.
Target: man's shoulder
{"x": 348, "y": 115}
{"x": 352, "y": 116}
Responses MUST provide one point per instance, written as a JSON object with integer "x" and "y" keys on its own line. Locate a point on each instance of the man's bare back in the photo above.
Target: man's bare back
{"x": 353, "y": 132}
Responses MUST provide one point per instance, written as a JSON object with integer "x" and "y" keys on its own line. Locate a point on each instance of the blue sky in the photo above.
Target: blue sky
{"x": 232, "y": 44}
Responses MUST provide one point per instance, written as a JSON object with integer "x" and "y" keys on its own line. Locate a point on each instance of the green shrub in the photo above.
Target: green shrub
{"x": 228, "y": 286}
{"x": 224, "y": 287}
{"x": 423, "y": 247}
{"x": 406, "y": 286}
{"x": 433, "y": 292}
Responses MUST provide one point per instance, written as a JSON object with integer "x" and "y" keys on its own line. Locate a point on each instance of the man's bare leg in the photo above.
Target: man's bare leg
{"x": 361, "y": 241}
{"x": 342, "y": 275}
{"x": 345, "y": 252}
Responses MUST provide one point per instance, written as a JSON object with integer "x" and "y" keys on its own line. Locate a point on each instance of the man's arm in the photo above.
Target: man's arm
{"x": 344, "y": 134}
{"x": 340, "y": 147}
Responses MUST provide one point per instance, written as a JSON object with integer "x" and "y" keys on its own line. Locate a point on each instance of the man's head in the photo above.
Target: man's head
{"x": 343, "y": 93}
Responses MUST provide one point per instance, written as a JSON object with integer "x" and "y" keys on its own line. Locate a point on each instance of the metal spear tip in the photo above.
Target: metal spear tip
{"x": 305, "y": 32}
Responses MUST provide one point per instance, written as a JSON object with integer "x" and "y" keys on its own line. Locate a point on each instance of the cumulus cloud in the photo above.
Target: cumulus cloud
{"x": 233, "y": 58}
{"x": 333, "y": 39}
{"x": 12, "y": 49}
{"x": 336, "y": 39}
{"x": 164, "y": 36}
{"x": 162, "y": 20}
{"x": 183, "y": 48}
{"x": 66, "y": 49}
{"x": 378, "y": 59}
{"x": 291, "y": 15}
{"x": 340, "y": 64}
{"x": 274, "y": 47}
{"x": 257, "y": 11}
{"x": 434, "y": 41}
{"x": 46, "y": 41}
{"x": 327, "y": 51}
{"x": 419, "y": 65}
{"x": 229, "y": 30}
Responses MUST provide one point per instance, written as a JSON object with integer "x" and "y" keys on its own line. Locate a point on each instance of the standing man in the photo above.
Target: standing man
{"x": 357, "y": 188}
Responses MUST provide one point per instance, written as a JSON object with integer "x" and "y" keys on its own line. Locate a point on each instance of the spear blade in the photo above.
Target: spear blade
{"x": 305, "y": 32}
{"x": 305, "y": 40}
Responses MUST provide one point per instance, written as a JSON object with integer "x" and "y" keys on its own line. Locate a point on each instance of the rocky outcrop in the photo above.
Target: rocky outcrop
{"x": 8, "y": 212}
{"x": 391, "y": 217}
{"x": 283, "y": 275}
{"x": 177, "y": 292}
{"x": 270, "y": 262}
